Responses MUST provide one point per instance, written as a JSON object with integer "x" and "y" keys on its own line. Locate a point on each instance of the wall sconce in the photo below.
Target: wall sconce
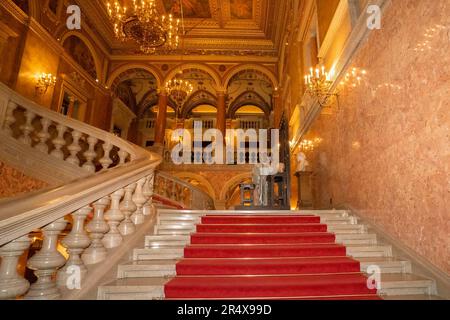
{"x": 44, "y": 81}
{"x": 318, "y": 85}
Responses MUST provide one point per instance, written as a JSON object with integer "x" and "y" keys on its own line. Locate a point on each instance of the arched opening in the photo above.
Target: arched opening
{"x": 80, "y": 52}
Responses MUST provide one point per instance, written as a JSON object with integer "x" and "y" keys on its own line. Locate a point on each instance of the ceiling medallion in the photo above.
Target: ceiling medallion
{"x": 144, "y": 25}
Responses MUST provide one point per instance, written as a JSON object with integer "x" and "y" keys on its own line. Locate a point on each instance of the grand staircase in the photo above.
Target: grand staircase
{"x": 95, "y": 232}
{"x": 263, "y": 255}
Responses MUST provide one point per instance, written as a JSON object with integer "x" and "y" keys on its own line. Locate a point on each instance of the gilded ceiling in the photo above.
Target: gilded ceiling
{"x": 212, "y": 27}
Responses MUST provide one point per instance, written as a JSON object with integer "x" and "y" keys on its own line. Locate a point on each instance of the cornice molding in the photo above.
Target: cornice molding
{"x": 14, "y": 10}
{"x": 337, "y": 21}
{"x": 355, "y": 41}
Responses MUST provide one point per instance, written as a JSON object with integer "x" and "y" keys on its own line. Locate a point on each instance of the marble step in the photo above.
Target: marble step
{"x": 357, "y": 238}
{"x": 164, "y": 253}
{"x": 358, "y": 251}
{"x": 166, "y": 268}
{"x": 156, "y": 241}
{"x": 189, "y": 228}
{"x": 188, "y": 231}
{"x": 177, "y": 252}
{"x": 397, "y": 284}
{"x": 393, "y": 286}
{"x": 133, "y": 289}
{"x": 147, "y": 268}
{"x": 167, "y": 220}
{"x": 386, "y": 264}
{"x": 189, "y": 214}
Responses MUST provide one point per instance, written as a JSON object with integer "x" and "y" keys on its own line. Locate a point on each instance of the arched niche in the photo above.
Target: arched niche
{"x": 82, "y": 52}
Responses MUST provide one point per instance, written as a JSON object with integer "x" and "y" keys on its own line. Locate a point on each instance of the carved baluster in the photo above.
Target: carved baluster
{"x": 59, "y": 142}
{"x": 148, "y": 208}
{"x": 96, "y": 228}
{"x": 12, "y": 284}
{"x": 90, "y": 155}
{"x": 46, "y": 262}
{"x": 9, "y": 118}
{"x": 123, "y": 155}
{"x": 106, "y": 160}
{"x": 127, "y": 207}
{"x": 139, "y": 200}
{"x": 75, "y": 242}
{"x": 43, "y": 135}
{"x": 74, "y": 148}
{"x": 27, "y": 128}
{"x": 113, "y": 217}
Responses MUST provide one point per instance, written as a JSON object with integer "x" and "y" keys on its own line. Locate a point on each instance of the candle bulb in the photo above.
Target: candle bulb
{"x": 323, "y": 70}
{"x": 317, "y": 73}
{"x": 312, "y": 74}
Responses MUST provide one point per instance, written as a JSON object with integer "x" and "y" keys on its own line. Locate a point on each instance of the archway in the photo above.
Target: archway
{"x": 83, "y": 52}
{"x": 203, "y": 183}
{"x": 230, "y": 188}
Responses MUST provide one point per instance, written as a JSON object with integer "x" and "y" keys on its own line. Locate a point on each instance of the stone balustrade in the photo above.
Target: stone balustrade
{"x": 59, "y": 231}
{"x": 64, "y": 139}
{"x": 84, "y": 244}
{"x": 181, "y": 192}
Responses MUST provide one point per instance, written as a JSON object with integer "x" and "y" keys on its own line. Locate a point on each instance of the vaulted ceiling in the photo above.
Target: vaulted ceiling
{"x": 213, "y": 27}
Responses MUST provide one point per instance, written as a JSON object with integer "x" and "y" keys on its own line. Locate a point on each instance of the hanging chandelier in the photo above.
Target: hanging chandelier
{"x": 179, "y": 89}
{"x": 142, "y": 24}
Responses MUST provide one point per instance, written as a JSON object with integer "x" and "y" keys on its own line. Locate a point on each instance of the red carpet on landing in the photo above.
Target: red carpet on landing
{"x": 267, "y": 257}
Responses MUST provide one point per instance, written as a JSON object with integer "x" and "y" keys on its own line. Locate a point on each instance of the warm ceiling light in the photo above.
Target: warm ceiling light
{"x": 144, "y": 25}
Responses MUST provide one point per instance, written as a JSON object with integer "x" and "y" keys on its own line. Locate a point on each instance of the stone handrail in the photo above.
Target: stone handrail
{"x": 181, "y": 192}
{"x": 109, "y": 198}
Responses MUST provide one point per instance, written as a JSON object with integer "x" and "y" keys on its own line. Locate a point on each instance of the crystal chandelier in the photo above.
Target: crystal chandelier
{"x": 318, "y": 85}
{"x": 179, "y": 89}
{"x": 143, "y": 25}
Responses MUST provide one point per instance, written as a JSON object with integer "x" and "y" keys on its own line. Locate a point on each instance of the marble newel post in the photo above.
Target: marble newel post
{"x": 160, "y": 127}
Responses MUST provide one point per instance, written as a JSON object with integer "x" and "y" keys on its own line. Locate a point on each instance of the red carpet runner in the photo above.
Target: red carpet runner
{"x": 266, "y": 257}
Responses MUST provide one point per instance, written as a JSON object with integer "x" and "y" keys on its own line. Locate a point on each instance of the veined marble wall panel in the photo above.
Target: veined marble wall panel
{"x": 386, "y": 150}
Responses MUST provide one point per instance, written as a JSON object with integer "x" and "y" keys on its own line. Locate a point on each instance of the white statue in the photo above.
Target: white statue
{"x": 302, "y": 163}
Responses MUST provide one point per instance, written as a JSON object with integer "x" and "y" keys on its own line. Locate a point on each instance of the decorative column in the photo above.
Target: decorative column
{"x": 221, "y": 119}
{"x": 278, "y": 109}
{"x": 12, "y": 284}
{"x": 46, "y": 262}
{"x": 97, "y": 228}
{"x": 75, "y": 242}
{"x": 160, "y": 127}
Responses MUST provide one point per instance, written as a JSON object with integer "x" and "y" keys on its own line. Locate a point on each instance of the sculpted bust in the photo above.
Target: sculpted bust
{"x": 302, "y": 163}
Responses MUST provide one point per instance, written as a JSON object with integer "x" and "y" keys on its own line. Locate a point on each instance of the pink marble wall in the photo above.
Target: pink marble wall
{"x": 14, "y": 182}
{"x": 386, "y": 149}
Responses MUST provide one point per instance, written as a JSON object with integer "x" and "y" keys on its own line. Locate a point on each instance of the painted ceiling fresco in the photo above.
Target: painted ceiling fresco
{"x": 192, "y": 9}
{"x": 202, "y": 9}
